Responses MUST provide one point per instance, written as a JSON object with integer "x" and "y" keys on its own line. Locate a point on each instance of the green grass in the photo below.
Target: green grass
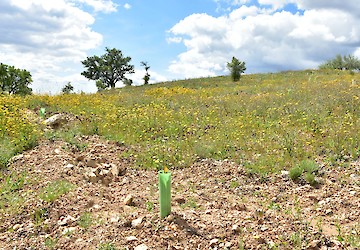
{"x": 85, "y": 220}
{"x": 11, "y": 200}
{"x": 54, "y": 190}
{"x": 266, "y": 122}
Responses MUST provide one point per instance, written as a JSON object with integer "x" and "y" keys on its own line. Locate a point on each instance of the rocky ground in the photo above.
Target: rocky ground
{"x": 215, "y": 205}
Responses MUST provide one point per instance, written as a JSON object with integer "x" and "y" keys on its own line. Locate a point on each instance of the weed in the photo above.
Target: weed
{"x": 234, "y": 184}
{"x": 40, "y": 215}
{"x": 54, "y": 190}
{"x": 50, "y": 243}
{"x": 85, "y": 220}
{"x": 310, "y": 178}
{"x": 295, "y": 173}
{"x": 107, "y": 246}
{"x": 149, "y": 206}
{"x": 10, "y": 186}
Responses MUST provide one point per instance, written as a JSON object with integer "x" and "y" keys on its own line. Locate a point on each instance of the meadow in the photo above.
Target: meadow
{"x": 265, "y": 122}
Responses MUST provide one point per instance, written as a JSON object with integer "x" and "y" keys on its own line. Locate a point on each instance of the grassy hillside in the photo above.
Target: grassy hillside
{"x": 266, "y": 122}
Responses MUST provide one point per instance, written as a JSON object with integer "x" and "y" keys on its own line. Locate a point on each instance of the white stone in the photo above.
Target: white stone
{"x": 141, "y": 247}
{"x": 137, "y": 222}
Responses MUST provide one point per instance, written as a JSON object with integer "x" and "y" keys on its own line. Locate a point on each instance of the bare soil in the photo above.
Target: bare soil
{"x": 215, "y": 205}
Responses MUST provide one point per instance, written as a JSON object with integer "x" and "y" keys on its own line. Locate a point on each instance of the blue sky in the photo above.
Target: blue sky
{"x": 179, "y": 39}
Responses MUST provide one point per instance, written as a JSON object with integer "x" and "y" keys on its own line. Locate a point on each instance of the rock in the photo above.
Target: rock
{"x": 16, "y": 158}
{"x": 65, "y": 220}
{"x": 179, "y": 200}
{"x": 141, "y": 247}
{"x": 69, "y": 166}
{"x": 314, "y": 245}
{"x": 236, "y": 228}
{"x": 55, "y": 121}
{"x": 228, "y": 245}
{"x": 131, "y": 238}
{"x": 80, "y": 158}
{"x": 137, "y": 223}
{"x": 91, "y": 163}
{"x": 68, "y": 230}
{"x": 114, "y": 170}
{"x": 213, "y": 242}
{"x": 129, "y": 200}
{"x": 91, "y": 177}
{"x": 16, "y": 227}
{"x": 284, "y": 173}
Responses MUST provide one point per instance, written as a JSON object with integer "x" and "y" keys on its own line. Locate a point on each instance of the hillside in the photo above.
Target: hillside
{"x": 270, "y": 162}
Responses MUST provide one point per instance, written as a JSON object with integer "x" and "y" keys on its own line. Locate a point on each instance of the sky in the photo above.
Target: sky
{"x": 179, "y": 39}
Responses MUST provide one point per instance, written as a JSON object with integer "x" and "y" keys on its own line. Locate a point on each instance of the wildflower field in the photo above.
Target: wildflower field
{"x": 266, "y": 122}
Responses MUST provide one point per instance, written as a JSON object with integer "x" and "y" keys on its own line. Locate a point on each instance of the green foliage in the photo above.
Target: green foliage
{"x": 54, "y": 190}
{"x": 236, "y": 68}
{"x": 349, "y": 62}
{"x": 85, "y": 220}
{"x": 14, "y": 81}
{"x": 100, "y": 85}
{"x": 306, "y": 167}
{"x": 10, "y": 186}
{"x": 107, "y": 246}
{"x": 146, "y": 78}
{"x": 50, "y": 243}
{"x": 295, "y": 173}
{"x": 109, "y": 68}
{"x": 67, "y": 89}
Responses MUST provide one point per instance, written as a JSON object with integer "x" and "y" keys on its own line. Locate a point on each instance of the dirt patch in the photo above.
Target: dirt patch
{"x": 215, "y": 205}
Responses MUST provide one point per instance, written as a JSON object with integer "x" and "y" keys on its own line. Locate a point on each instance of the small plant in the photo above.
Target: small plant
{"x": 310, "y": 178}
{"x": 85, "y": 220}
{"x": 40, "y": 215}
{"x": 50, "y": 243}
{"x": 234, "y": 184}
{"x": 107, "y": 246}
{"x": 54, "y": 190}
{"x": 295, "y": 173}
{"x": 307, "y": 169}
{"x": 149, "y": 206}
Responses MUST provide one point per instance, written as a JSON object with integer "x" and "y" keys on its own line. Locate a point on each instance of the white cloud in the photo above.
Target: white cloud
{"x": 265, "y": 39}
{"x": 49, "y": 39}
{"x": 127, "y": 6}
{"x": 106, "y": 6}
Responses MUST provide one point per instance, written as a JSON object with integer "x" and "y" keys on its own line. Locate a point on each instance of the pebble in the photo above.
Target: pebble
{"x": 137, "y": 222}
{"x": 141, "y": 247}
{"x": 128, "y": 200}
{"x": 213, "y": 242}
{"x": 68, "y": 230}
{"x": 131, "y": 238}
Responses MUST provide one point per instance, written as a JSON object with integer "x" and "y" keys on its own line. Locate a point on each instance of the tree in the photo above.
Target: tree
{"x": 146, "y": 78}
{"x": 14, "y": 81}
{"x": 110, "y": 68}
{"x": 236, "y": 68}
{"x": 67, "y": 89}
{"x": 349, "y": 62}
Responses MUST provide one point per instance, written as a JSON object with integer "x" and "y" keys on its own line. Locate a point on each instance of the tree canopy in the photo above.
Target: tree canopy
{"x": 109, "y": 68}
{"x": 349, "y": 62}
{"x": 14, "y": 81}
{"x": 236, "y": 68}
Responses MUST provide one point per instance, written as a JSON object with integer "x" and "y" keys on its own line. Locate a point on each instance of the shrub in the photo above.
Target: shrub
{"x": 295, "y": 173}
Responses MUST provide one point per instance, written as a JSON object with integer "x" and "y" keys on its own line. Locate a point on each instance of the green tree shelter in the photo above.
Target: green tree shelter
{"x": 109, "y": 68}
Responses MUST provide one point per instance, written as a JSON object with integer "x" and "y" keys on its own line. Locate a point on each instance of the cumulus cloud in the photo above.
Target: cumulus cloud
{"x": 106, "y": 6}
{"x": 127, "y": 6}
{"x": 48, "y": 38}
{"x": 266, "y": 37}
